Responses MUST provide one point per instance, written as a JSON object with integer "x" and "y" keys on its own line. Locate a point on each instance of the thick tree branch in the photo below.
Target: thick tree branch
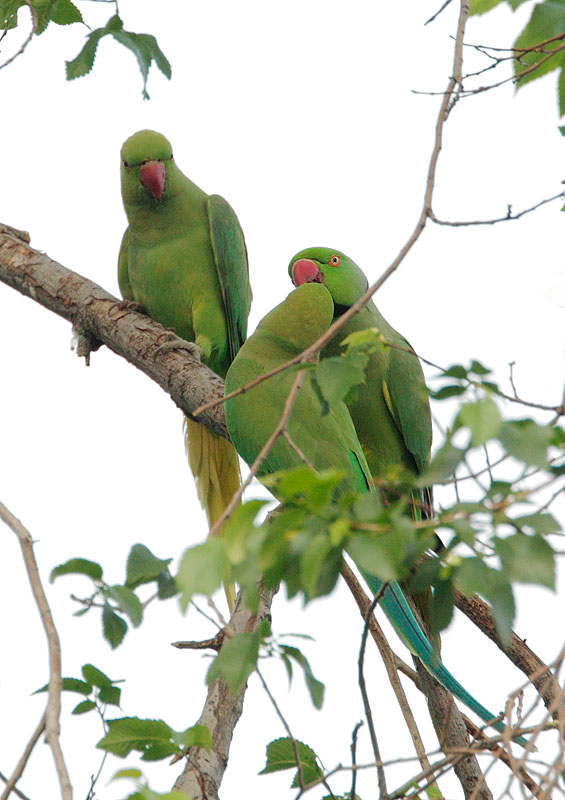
{"x": 203, "y": 771}
{"x": 103, "y": 318}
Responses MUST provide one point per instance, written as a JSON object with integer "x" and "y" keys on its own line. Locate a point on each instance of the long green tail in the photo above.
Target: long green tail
{"x": 398, "y": 611}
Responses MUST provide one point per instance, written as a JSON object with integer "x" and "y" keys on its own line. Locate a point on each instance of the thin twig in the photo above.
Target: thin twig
{"x": 509, "y": 215}
{"x": 53, "y": 709}
{"x": 2, "y": 776}
{"x": 21, "y": 765}
{"x": 383, "y": 795}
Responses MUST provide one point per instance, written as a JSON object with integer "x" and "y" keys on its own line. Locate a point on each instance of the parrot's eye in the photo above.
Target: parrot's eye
{"x": 335, "y": 260}
{"x": 126, "y": 164}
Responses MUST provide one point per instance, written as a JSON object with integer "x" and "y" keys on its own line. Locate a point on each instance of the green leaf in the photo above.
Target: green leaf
{"x": 443, "y": 464}
{"x": 202, "y": 569}
{"x": 166, "y": 585}
{"x": 540, "y": 522}
{"x": 238, "y": 528}
{"x": 316, "y": 487}
{"x": 338, "y": 374}
{"x": 83, "y": 707}
{"x": 281, "y": 755}
{"x": 320, "y": 564}
{"x": 455, "y": 371}
{"x": 128, "y": 772}
{"x": 236, "y": 660}
{"x": 151, "y": 737}
{"x": 110, "y": 695}
{"x": 8, "y": 13}
{"x": 142, "y": 45}
{"x": 482, "y": 418}
{"x": 452, "y": 390}
{"x": 128, "y": 602}
{"x": 315, "y": 687}
{"x": 375, "y": 555}
{"x": 65, "y": 13}
{"x": 547, "y": 21}
{"x": 70, "y": 685}
{"x": 78, "y": 566}
{"x": 479, "y": 369}
{"x": 526, "y": 441}
{"x": 196, "y": 736}
{"x": 441, "y": 612}
{"x": 481, "y": 6}
{"x": 474, "y": 576}
{"x": 143, "y": 566}
{"x": 96, "y": 677}
{"x": 114, "y": 627}
{"x": 527, "y": 559}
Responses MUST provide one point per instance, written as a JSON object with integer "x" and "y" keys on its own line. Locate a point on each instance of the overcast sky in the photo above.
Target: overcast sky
{"x": 302, "y": 115}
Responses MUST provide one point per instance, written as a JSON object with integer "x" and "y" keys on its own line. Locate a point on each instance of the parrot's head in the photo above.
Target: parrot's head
{"x": 341, "y": 276}
{"x": 149, "y": 174}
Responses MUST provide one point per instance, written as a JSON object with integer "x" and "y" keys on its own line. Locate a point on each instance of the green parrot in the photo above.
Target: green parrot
{"x": 391, "y": 410}
{"x": 183, "y": 258}
{"x": 328, "y": 441}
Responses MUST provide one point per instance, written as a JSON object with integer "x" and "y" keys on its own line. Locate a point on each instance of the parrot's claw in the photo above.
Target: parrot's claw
{"x": 181, "y": 344}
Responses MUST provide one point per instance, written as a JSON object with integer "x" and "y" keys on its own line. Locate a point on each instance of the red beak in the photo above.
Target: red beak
{"x": 152, "y": 176}
{"x": 306, "y": 271}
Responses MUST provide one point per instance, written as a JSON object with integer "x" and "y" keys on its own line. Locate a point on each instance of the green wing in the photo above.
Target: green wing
{"x": 409, "y": 406}
{"x": 123, "y": 268}
{"x": 230, "y": 255}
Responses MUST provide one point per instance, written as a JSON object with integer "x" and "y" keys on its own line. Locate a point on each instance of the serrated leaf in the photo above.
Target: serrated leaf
{"x": 151, "y": 737}
{"x": 540, "y": 522}
{"x": 443, "y": 464}
{"x": 65, "y": 13}
{"x": 110, "y": 695}
{"x": 236, "y": 661}
{"x": 202, "y": 570}
{"x": 441, "y": 611}
{"x": 166, "y": 586}
{"x": 482, "y": 418}
{"x": 238, "y": 528}
{"x": 338, "y": 374}
{"x": 281, "y": 755}
{"x": 143, "y": 567}
{"x": 315, "y": 687}
{"x": 128, "y": 602}
{"x": 77, "y": 566}
{"x": 526, "y": 440}
{"x": 70, "y": 685}
{"x": 527, "y": 559}
{"x": 547, "y": 21}
{"x": 455, "y": 371}
{"x": 83, "y": 707}
{"x": 95, "y": 676}
{"x": 196, "y": 736}
{"x": 114, "y": 627}
{"x": 474, "y": 576}
{"x": 481, "y": 6}
{"x": 452, "y": 390}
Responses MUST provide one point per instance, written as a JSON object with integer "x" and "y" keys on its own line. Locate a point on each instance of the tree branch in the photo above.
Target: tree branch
{"x": 203, "y": 771}
{"x": 50, "y": 720}
{"x": 135, "y": 337}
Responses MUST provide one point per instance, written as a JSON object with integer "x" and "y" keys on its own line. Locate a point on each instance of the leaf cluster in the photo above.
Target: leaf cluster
{"x": 118, "y": 601}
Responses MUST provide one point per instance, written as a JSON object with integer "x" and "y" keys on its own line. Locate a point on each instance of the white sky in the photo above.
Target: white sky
{"x": 302, "y": 116}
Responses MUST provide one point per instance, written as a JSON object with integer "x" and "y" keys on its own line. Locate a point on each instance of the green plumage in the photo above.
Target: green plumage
{"x": 183, "y": 254}
{"x": 183, "y": 258}
{"x": 391, "y": 411}
{"x": 327, "y": 441}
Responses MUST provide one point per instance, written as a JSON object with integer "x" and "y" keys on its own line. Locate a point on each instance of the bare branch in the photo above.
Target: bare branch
{"x": 509, "y": 215}
{"x": 53, "y": 709}
{"x": 21, "y": 765}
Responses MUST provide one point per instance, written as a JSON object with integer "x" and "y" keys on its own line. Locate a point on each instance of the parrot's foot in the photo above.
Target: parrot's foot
{"x": 130, "y": 305}
{"x": 190, "y": 347}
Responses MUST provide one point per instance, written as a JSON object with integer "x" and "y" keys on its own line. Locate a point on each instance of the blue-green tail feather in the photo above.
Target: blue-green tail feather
{"x": 398, "y": 611}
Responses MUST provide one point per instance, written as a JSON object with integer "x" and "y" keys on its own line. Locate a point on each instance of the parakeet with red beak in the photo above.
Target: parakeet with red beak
{"x": 391, "y": 410}
{"x": 183, "y": 258}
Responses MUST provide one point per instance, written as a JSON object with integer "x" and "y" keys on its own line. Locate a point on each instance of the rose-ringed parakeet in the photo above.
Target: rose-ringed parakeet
{"x": 390, "y": 410}
{"x": 327, "y": 441}
{"x": 183, "y": 258}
